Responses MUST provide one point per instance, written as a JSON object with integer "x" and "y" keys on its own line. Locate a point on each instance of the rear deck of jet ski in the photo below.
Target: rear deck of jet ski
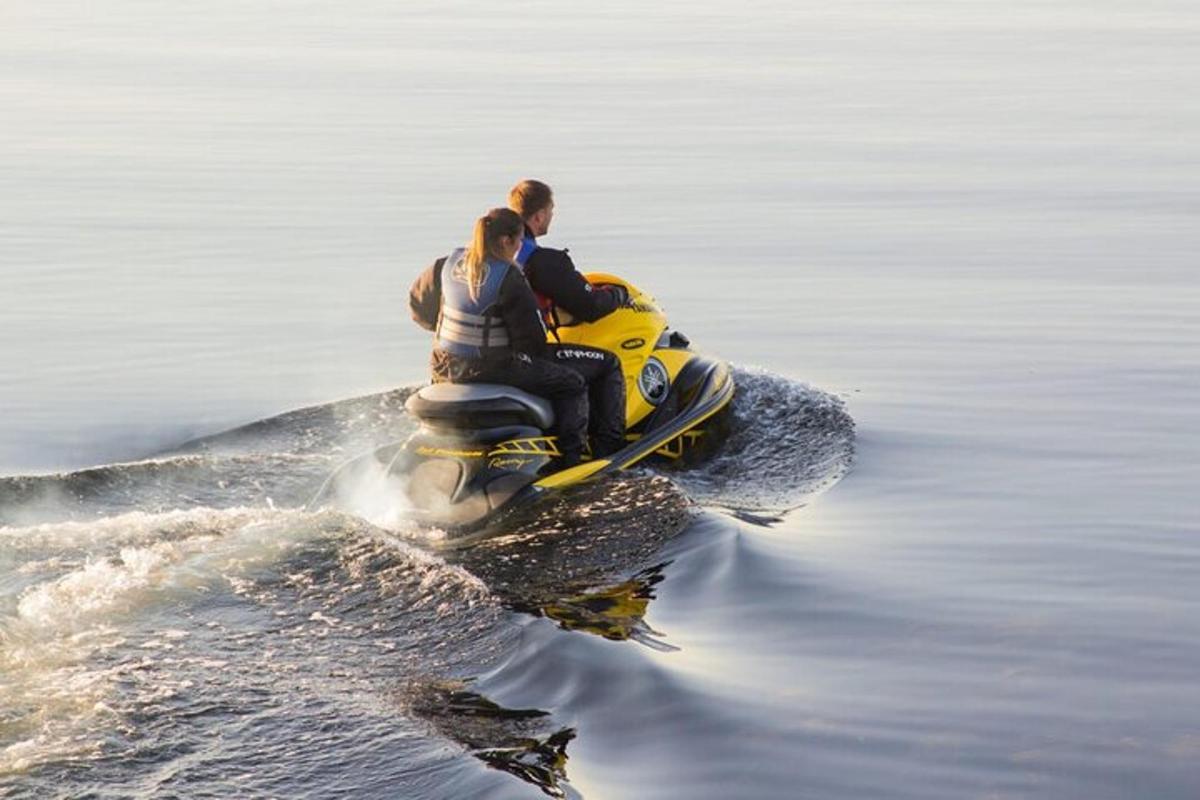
{"x": 479, "y": 445}
{"x": 465, "y": 406}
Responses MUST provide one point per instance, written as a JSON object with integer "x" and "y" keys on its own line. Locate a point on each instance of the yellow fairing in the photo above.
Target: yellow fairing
{"x": 632, "y": 334}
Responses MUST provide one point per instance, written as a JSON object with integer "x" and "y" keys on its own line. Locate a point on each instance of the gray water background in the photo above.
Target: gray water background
{"x": 976, "y": 221}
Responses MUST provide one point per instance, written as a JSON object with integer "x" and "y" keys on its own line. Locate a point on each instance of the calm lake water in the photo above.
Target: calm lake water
{"x": 950, "y": 551}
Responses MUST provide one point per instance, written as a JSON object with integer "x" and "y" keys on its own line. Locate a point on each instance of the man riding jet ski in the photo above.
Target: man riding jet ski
{"x": 563, "y": 293}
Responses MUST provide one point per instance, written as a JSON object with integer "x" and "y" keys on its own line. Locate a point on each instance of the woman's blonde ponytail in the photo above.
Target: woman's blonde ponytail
{"x": 485, "y": 239}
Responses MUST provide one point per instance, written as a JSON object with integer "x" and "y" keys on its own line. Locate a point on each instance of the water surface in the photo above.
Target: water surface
{"x": 972, "y": 223}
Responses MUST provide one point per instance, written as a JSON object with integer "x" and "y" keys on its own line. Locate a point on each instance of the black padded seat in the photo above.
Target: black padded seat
{"x": 479, "y": 405}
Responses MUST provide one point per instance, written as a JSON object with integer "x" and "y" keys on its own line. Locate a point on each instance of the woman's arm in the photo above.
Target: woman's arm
{"x": 519, "y": 309}
{"x": 425, "y": 296}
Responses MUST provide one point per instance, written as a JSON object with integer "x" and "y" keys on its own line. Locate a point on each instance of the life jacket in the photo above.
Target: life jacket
{"x": 545, "y": 304}
{"x": 471, "y": 327}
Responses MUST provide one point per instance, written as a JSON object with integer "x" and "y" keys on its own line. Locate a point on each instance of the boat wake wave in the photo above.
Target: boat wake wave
{"x": 145, "y": 605}
{"x": 786, "y": 442}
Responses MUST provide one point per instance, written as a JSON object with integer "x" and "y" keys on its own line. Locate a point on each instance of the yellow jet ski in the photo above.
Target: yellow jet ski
{"x": 484, "y": 449}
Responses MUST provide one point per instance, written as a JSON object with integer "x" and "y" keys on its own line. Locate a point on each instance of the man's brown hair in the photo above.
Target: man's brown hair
{"x": 529, "y": 197}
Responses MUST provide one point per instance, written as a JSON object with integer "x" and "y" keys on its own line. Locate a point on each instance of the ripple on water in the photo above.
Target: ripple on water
{"x": 786, "y": 442}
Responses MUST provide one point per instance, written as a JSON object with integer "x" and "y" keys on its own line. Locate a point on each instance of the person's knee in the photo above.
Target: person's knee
{"x": 575, "y": 382}
{"x": 612, "y": 366}
{"x": 613, "y": 374}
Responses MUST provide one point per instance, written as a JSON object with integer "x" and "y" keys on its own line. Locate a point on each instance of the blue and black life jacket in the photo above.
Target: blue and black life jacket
{"x": 471, "y": 327}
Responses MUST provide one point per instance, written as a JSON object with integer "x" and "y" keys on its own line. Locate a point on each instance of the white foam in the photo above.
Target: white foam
{"x": 65, "y": 630}
{"x": 98, "y": 588}
{"x": 79, "y": 628}
{"x": 129, "y": 528}
{"x": 366, "y": 488}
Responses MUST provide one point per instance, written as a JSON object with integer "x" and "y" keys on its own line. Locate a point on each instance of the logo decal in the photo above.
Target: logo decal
{"x": 654, "y": 382}
{"x": 459, "y": 272}
{"x": 571, "y": 352}
{"x": 508, "y": 463}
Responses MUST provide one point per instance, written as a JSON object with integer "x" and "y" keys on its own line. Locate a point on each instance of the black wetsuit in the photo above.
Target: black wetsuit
{"x": 553, "y": 276}
{"x": 525, "y": 364}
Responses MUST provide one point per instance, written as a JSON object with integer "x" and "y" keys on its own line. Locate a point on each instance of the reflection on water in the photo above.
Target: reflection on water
{"x": 615, "y": 612}
{"x": 520, "y": 742}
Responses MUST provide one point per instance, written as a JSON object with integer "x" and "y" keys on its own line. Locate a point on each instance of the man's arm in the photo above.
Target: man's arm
{"x": 425, "y": 296}
{"x": 552, "y": 273}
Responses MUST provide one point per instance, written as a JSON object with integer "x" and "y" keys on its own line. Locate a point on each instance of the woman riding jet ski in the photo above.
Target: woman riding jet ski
{"x": 487, "y": 327}
{"x": 504, "y": 426}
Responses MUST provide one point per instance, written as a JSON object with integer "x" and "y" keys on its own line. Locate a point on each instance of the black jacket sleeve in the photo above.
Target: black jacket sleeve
{"x": 519, "y": 309}
{"x": 425, "y": 296}
{"x": 552, "y": 273}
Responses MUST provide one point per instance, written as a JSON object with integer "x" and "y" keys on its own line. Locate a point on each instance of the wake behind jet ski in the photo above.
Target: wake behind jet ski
{"x": 483, "y": 450}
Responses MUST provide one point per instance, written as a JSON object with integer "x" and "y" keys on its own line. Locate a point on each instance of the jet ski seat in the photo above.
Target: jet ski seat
{"x": 479, "y": 405}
